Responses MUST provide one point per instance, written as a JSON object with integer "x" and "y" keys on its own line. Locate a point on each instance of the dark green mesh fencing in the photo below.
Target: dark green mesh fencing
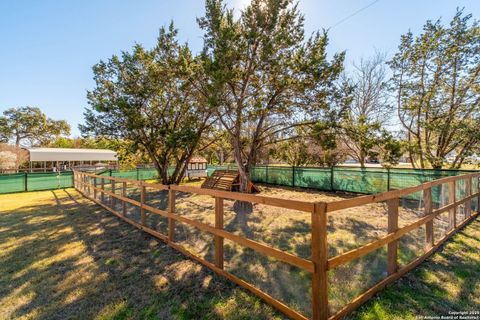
{"x": 358, "y": 180}
{"x": 14, "y": 182}
{"x": 49, "y": 180}
{"x": 133, "y": 174}
{"x": 19, "y": 182}
{"x": 348, "y": 179}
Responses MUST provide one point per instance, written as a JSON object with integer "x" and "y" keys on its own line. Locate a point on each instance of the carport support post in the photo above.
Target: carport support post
{"x": 171, "y": 209}
{"x": 218, "y": 239}
{"x": 320, "y": 261}
{"x": 452, "y": 213}
{"x": 392, "y": 227}
{"x": 427, "y": 200}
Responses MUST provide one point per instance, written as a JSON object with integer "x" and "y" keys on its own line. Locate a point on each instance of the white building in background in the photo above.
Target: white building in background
{"x": 63, "y": 159}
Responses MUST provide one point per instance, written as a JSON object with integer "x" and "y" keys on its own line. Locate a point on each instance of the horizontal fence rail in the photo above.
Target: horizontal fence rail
{"x": 93, "y": 187}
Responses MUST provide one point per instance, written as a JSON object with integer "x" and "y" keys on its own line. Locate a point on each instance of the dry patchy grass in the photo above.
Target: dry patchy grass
{"x": 290, "y": 230}
{"x": 62, "y": 257}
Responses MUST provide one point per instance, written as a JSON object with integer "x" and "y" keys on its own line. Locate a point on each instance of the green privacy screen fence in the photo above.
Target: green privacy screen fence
{"x": 348, "y": 179}
{"x": 20, "y": 182}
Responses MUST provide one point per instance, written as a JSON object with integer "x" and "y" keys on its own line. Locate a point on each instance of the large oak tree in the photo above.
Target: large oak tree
{"x": 30, "y": 126}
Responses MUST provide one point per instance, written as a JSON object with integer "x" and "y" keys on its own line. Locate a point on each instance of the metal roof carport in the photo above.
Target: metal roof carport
{"x": 63, "y": 155}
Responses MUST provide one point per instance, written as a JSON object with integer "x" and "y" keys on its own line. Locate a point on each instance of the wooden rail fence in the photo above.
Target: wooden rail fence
{"x": 319, "y": 264}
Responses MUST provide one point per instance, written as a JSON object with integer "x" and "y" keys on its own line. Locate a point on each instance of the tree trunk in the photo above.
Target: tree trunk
{"x": 362, "y": 160}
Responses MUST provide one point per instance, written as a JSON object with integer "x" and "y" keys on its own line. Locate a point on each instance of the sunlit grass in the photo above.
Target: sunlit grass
{"x": 448, "y": 281}
{"x": 62, "y": 257}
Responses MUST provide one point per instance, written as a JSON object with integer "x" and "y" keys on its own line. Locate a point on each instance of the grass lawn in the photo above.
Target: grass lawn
{"x": 62, "y": 257}
{"x": 448, "y": 281}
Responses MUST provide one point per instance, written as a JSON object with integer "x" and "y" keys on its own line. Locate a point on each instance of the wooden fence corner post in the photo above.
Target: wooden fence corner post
{"x": 171, "y": 209}
{"x": 452, "y": 213}
{"x": 219, "y": 263}
{"x": 320, "y": 261}
{"x": 392, "y": 248}
{"x": 428, "y": 207}
{"x": 143, "y": 216}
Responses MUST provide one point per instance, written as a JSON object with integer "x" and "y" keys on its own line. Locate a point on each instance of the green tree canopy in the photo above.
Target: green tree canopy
{"x": 436, "y": 80}
{"x": 153, "y": 99}
{"x": 266, "y": 79}
{"x": 30, "y": 125}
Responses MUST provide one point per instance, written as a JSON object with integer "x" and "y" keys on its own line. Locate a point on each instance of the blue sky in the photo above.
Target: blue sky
{"x": 48, "y": 47}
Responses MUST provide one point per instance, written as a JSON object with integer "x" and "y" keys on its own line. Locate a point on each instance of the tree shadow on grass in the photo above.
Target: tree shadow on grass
{"x": 72, "y": 259}
{"x": 448, "y": 281}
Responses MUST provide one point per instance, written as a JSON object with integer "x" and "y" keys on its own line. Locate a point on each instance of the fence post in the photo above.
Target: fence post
{"x": 95, "y": 188}
{"x": 89, "y": 189}
{"x": 110, "y": 171}
{"x": 142, "y": 202}
{"x": 452, "y": 213}
{"x": 331, "y": 178}
{"x": 26, "y": 181}
{"x": 392, "y": 227}
{"x": 171, "y": 209}
{"x": 124, "y": 194}
{"x": 468, "y": 192}
{"x": 266, "y": 173}
{"x": 388, "y": 179}
{"x": 478, "y": 191}
{"x": 320, "y": 260}
{"x": 293, "y": 176}
{"x": 102, "y": 196}
{"x": 427, "y": 200}
{"x": 112, "y": 198}
{"x": 138, "y": 176}
{"x": 219, "y": 239}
